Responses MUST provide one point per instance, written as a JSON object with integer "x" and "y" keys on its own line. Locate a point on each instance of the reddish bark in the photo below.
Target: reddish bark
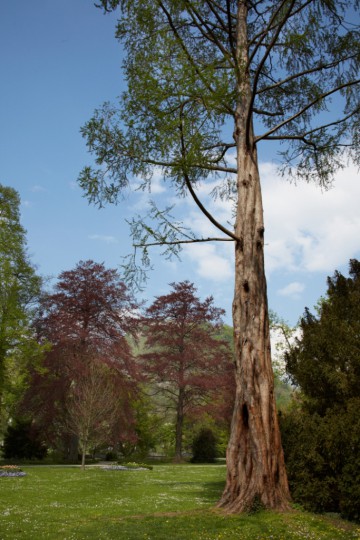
{"x": 255, "y": 461}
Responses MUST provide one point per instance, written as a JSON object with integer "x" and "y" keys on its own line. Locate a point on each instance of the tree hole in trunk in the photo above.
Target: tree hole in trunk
{"x": 245, "y": 415}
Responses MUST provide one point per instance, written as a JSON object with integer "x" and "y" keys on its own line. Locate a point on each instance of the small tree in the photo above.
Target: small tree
{"x": 204, "y": 447}
{"x": 93, "y": 407}
{"x": 186, "y": 360}
{"x": 23, "y": 441}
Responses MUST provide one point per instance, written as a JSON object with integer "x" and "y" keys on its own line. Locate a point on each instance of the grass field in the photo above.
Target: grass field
{"x": 171, "y": 502}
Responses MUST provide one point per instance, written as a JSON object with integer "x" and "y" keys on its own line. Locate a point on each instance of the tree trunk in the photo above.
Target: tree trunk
{"x": 255, "y": 462}
{"x": 179, "y": 426}
{"x": 83, "y": 456}
{"x": 71, "y": 448}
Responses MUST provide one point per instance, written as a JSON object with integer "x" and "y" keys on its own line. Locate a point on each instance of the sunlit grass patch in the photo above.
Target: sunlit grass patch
{"x": 170, "y": 502}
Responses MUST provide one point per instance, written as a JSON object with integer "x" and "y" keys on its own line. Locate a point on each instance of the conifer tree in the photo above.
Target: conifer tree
{"x": 283, "y": 70}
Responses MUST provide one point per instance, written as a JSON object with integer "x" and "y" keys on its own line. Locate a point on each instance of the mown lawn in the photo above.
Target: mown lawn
{"x": 172, "y": 502}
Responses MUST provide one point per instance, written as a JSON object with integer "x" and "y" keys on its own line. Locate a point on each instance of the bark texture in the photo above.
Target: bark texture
{"x": 255, "y": 462}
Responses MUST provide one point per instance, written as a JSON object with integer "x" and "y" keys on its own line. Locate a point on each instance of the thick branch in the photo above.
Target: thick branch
{"x": 311, "y": 131}
{"x": 264, "y": 58}
{"x": 193, "y": 194}
{"x": 187, "y": 53}
{"x": 209, "y": 33}
{"x": 309, "y": 71}
{"x": 265, "y": 32}
{"x": 304, "y": 109}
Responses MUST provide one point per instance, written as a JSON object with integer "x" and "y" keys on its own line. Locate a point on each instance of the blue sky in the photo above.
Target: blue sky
{"x": 59, "y": 60}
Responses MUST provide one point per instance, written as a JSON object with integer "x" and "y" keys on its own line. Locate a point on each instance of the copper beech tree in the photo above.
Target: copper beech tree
{"x": 187, "y": 360}
{"x": 209, "y": 82}
{"x": 86, "y": 321}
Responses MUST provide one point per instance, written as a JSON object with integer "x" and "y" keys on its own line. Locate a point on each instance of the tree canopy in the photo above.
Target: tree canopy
{"x": 325, "y": 363}
{"x": 19, "y": 292}
{"x": 186, "y": 358}
{"x": 86, "y": 320}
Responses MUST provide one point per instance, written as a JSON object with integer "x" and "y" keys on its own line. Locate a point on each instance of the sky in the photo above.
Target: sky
{"x": 59, "y": 61}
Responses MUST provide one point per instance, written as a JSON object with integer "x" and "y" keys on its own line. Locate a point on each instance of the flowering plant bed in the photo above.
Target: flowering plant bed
{"x": 11, "y": 470}
{"x": 128, "y": 467}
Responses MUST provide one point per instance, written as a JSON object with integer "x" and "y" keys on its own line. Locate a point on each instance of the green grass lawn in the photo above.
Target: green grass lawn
{"x": 172, "y": 502}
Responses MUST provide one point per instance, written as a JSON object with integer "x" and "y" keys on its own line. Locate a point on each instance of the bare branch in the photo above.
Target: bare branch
{"x": 264, "y": 58}
{"x": 177, "y": 242}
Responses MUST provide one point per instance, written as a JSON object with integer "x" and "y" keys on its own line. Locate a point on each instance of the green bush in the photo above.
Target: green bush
{"x": 204, "y": 447}
{"x": 22, "y": 441}
{"x": 323, "y": 459}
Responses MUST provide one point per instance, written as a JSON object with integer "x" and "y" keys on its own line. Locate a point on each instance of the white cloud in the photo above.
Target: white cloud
{"x": 38, "y": 189}
{"x": 210, "y": 261}
{"x": 292, "y": 290}
{"x": 103, "y": 238}
{"x": 308, "y": 229}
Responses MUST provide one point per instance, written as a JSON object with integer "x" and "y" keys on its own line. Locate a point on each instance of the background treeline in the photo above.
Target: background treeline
{"x": 86, "y": 370}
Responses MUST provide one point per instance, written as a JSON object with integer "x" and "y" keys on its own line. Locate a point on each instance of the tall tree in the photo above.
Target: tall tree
{"x": 283, "y": 70}
{"x": 19, "y": 290}
{"x": 86, "y": 319}
{"x": 187, "y": 360}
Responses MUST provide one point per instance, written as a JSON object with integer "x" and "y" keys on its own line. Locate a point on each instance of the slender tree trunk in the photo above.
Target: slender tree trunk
{"x": 83, "y": 456}
{"x": 179, "y": 426}
{"x": 255, "y": 463}
{"x": 71, "y": 448}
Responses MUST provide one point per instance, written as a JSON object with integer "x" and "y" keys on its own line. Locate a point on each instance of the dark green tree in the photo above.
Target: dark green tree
{"x": 23, "y": 441}
{"x": 325, "y": 364}
{"x": 196, "y": 71}
{"x": 19, "y": 291}
{"x": 204, "y": 447}
{"x": 321, "y": 434}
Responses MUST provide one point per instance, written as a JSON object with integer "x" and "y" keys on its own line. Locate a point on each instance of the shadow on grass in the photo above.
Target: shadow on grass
{"x": 212, "y": 491}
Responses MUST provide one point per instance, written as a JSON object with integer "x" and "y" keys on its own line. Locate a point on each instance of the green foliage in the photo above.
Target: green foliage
{"x": 204, "y": 447}
{"x": 325, "y": 363}
{"x": 172, "y": 501}
{"x": 22, "y": 441}
{"x": 188, "y": 77}
{"x": 322, "y": 458}
{"x": 19, "y": 291}
{"x": 321, "y": 434}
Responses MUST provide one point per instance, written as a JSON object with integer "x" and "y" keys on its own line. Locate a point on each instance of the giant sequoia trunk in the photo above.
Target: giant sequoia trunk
{"x": 255, "y": 462}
